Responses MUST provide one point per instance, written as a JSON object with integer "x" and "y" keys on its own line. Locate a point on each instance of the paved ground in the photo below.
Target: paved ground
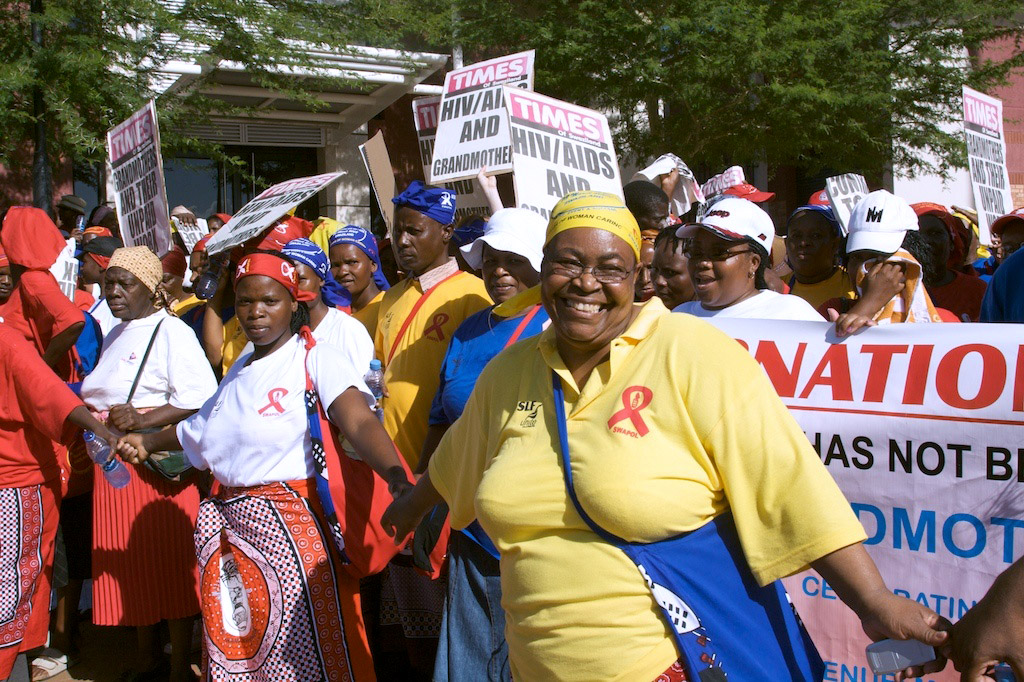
{"x": 107, "y": 652}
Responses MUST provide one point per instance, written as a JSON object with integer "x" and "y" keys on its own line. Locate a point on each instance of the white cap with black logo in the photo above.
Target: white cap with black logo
{"x": 735, "y": 219}
{"x": 879, "y": 222}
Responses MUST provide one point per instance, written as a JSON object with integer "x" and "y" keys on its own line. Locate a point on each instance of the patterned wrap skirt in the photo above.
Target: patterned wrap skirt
{"x": 276, "y": 603}
{"x": 28, "y": 526}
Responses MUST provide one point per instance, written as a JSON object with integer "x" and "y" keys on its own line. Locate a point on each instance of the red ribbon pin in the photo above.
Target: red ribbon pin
{"x": 435, "y": 326}
{"x": 634, "y": 399}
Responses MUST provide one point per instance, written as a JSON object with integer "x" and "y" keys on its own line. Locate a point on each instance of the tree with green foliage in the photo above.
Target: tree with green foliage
{"x": 74, "y": 68}
{"x": 859, "y": 85}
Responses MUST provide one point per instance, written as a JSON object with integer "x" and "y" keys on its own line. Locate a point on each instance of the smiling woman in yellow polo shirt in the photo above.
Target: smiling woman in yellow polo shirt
{"x": 668, "y": 427}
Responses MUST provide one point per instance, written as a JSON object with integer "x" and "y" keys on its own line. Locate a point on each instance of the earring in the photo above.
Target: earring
{"x": 750, "y": 275}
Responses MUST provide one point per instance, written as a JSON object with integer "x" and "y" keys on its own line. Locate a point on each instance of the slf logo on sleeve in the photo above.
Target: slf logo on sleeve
{"x": 274, "y": 401}
{"x": 634, "y": 400}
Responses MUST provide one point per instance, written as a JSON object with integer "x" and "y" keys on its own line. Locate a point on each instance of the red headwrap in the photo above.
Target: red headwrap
{"x": 284, "y": 231}
{"x": 277, "y": 269}
{"x": 98, "y": 231}
{"x": 30, "y": 238}
{"x": 102, "y": 261}
{"x": 174, "y": 262}
{"x": 224, "y": 217}
{"x": 4, "y": 260}
{"x": 200, "y": 246}
{"x": 959, "y": 239}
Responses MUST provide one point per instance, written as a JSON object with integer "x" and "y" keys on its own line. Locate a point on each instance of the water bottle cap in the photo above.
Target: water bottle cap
{"x": 88, "y": 435}
{"x": 375, "y": 364}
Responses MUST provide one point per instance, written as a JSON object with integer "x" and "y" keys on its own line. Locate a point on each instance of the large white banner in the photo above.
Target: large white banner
{"x": 472, "y": 129}
{"x": 558, "y": 148}
{"x": 470, "y": 198}
{"x": 263, "y": 211}
{"x": 920, "y": 424}
{"x": 138, "y": 178}
{"x": 986, "y": 155}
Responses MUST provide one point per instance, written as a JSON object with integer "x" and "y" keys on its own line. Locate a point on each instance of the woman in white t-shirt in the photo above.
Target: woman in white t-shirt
{"x": 143, "y": 561}
{"x": 727, "y": 256}
{"x": 275, "y": 597}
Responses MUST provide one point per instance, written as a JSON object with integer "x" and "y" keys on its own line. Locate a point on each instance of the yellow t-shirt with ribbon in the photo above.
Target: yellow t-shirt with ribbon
{"x": 678, "y": 426}
{"x": 411, "y": 342}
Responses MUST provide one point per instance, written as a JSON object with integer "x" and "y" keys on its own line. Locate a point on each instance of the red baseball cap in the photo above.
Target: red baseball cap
{"x": 819, "y": 198}
{"x": 745, "y": 190}
{"x": 1000, "y": 223}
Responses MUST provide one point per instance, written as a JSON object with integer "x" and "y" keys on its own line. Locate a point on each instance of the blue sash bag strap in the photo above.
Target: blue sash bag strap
{"x": 725, "y": 625}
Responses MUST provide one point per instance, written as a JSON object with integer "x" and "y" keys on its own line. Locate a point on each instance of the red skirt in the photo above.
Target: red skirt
{"x": 28, "y": 526}
{"x": 143, "y": 553}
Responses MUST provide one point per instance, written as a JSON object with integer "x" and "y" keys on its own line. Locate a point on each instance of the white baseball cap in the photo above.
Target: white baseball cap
{"x": 518, "y": 230}
{"x": 879, "y": 222}
{"x": 735, "y": 219}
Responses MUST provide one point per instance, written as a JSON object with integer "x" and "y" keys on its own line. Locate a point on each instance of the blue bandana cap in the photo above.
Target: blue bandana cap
{"x": 304, "y": 251}
{"x": 365, "y": 242}
{"x": 435, "y": 203}
{"x": 469, "y": 233}
{"x": 825, "y": 211}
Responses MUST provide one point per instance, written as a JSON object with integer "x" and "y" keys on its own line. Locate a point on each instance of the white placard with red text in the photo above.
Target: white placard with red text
{"x": 920, "y": 425}
{"x": 986, "y": 156}
{"x": 137, "y": 173}
{"x": 263, "y": 211}
{"x": 470, "y": 199}
{"x": 472, "y": 129}
{"x": 557, "y": 148}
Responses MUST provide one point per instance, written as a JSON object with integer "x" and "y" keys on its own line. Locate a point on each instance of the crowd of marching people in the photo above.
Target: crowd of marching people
{"x": 444, "y": 453}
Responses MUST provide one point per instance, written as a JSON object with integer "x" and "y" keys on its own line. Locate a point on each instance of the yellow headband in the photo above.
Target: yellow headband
{"x": 597, "y": 210}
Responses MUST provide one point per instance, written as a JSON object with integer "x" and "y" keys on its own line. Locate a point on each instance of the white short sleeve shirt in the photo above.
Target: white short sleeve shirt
{"x": 254, "y": 429}
{"x": 176, "y": 372}
{"x": 767, "y": 305}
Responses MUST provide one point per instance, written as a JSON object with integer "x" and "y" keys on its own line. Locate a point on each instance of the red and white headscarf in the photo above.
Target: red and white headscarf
{"x": 277, "y": 269}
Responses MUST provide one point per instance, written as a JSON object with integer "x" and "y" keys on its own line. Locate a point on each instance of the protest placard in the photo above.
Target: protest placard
{"x": 920, "y": 427}
{"x": 558, "y": 148}
{"x": 844, "y": 191}
{"x": 986, "y": 156}
{"x": 716, "y": 184}
{"x": 263, "y": 211}
{"x": 137, "y": 173}
{"x": 65, "y": 269}
{"x": 472, "y": 129}
{"x": 191, "y": 234}
{"x": 470, "y": 198}
{"x": 382, "y": 175}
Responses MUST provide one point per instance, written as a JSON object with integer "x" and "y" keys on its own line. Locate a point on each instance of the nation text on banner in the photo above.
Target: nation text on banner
{"x": 844, "y": 191}
{"x": 557, "y": 148}
{"x": 470, "y": 199}
{"x": 138, "y": 178}
{"x": 263, "y": 211}
{"x": 472, "y": 129}
{"x": 986, "y": 155}
{"x": 920, "y": 426}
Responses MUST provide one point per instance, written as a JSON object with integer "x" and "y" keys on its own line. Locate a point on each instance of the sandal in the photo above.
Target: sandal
{"x": 49, "y": 663}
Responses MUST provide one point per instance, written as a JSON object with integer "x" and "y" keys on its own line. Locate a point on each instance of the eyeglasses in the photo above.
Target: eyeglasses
{"x": 605, "y": 274}
{"x": 715, "y": 257}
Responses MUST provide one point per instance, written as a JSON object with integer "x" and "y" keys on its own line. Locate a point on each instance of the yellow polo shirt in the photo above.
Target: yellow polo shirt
{"x": 679, "y": 425}
{"x": 369, "y": 314}
{"x": 413, "y": 373}
{"x": 235, "y": 341}
{"x": 838, "y": 285}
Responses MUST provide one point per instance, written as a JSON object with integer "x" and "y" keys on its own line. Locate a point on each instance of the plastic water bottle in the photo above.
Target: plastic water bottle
{"x": 1003, "y": 673}
{"x": 114, "y": 470}
{"x": 206, "y": 287}
{"x": 375, "y": 382}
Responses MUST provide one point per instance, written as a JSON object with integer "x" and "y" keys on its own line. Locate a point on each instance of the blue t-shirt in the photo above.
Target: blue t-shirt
{"x": 1004, "y": 299}
{"x": 479, "y": 338}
